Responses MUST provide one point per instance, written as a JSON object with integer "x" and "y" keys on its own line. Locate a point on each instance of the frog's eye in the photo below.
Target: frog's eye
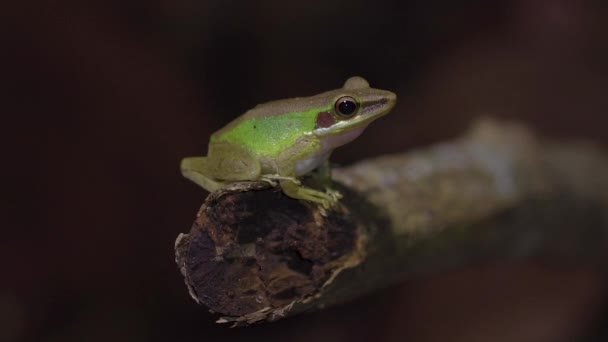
{"x": 346, "y": 106}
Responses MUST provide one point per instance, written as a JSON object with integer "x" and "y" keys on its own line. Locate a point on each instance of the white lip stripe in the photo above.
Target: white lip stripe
{"x": 343, "y": 125}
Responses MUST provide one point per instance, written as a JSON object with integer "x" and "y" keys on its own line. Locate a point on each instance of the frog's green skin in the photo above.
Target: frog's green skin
{"x": 285, "y": 139}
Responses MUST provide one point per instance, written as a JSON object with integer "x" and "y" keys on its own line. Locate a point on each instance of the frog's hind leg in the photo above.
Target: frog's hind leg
{"x": 195, "y": 169}
{"x": 225, "y": 164}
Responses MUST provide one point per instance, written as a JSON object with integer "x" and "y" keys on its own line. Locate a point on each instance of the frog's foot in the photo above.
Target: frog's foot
{"x": 326, "y": 200}
{"x": 272, "y": 179}
{"x": 334, "y": 194}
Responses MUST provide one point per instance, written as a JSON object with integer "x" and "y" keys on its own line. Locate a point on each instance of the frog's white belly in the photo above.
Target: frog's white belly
{"x": 306, "y": 165}
{"x": 328, "y": 145}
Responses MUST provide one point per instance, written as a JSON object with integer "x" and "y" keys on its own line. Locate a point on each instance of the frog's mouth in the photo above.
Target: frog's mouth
{"x": 374, "y": 107}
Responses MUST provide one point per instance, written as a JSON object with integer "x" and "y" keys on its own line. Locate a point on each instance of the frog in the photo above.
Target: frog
{"x": 281, "y": 141}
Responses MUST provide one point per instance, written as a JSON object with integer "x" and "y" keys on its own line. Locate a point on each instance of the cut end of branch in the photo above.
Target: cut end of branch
{"x": 253, "y": 253}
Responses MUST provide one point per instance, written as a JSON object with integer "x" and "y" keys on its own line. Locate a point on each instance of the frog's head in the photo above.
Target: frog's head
{"x": 335, "y": 117}
{"x": 350, "y": 110}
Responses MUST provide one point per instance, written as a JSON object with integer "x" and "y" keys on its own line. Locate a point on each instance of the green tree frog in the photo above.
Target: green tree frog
{"x": 279, "y": 141}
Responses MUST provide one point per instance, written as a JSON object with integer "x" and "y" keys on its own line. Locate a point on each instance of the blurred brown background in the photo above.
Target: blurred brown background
{"x": 102, "y": 99}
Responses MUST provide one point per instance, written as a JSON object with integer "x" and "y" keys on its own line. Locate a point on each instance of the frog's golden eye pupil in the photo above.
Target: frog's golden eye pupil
{"x": 346, "y": 106}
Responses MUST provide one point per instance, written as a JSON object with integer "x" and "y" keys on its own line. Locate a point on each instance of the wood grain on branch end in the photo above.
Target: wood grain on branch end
{"x": 253, "y": 253}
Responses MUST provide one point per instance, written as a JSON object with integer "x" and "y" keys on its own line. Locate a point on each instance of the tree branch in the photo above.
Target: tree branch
{"x": 254, "y": 254}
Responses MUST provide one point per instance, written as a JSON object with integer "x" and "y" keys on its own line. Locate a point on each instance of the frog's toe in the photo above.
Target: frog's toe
{"x": 274, "y": 178}
{"x": 272, "y": 182}
{"x": 334, "y": 194}
{"x": 329, "y": 200}
{"x": 323, "y": 199}
{"x": 325, "y": 203}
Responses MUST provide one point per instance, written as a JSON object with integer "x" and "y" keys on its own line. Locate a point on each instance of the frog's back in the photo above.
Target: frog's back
{"x": 271, "y": 128}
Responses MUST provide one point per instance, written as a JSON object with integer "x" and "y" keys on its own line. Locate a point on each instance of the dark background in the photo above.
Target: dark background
{"x": 101, "y": 100}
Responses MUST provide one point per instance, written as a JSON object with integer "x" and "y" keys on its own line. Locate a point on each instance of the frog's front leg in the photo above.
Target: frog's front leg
{"x": 323, "y": 172}
{"x": 322, "y": 175}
